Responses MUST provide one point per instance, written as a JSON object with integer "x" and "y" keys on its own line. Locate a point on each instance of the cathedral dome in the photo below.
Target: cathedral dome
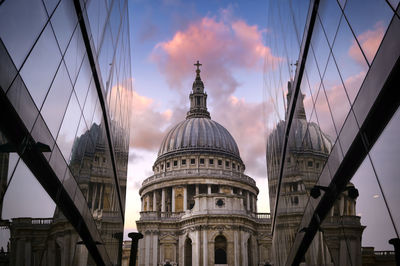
{"x": 199, "y": 134}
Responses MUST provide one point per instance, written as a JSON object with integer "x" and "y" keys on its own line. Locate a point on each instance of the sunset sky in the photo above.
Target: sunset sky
{"x": 167, "y": 38}
{"x": 246, "y": 49}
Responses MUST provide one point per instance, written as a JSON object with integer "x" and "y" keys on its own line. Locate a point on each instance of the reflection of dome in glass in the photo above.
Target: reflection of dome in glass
{"x": 199, "y": 134}
{"x": 303, "y": 137}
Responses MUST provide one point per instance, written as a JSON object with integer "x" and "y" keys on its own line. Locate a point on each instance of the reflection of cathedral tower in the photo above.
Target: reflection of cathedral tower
{"x": 199, "y": 208}
{"x": 308, "y": 150}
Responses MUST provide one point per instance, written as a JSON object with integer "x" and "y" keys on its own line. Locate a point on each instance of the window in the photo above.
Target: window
{"x": 309, "y": 163}
{"x": 214, "y": 189}
{"x": 201, "y": 160}
{"x": 162, "y": 166}
{"x": 211, "y": 161}
{"x": 175, "y": 163}
{"x": 233, "y": 166}
{"x": 183, "y": 162}
{"x": 220, "y": 247}
{"x": 317, "y": 165}
{"x": 192, "y": 161}
{"x": 295, "y": 200}
{"x": 238, "y": 167}
{"x": 219, "y": 162}
{"x": 167, "y": 164}
{"x": 226, "y": 163}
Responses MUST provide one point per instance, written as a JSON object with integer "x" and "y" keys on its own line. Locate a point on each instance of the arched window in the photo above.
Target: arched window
{"x": 220, "y": 250}
{"x": 188, "y": 252}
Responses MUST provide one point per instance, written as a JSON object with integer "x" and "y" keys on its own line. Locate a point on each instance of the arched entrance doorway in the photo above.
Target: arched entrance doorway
{"x": 188, "y": 252}
{"x": 220, "y": 249}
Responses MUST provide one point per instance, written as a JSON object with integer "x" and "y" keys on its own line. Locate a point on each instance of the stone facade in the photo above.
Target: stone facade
{"x": 199, "y": 208}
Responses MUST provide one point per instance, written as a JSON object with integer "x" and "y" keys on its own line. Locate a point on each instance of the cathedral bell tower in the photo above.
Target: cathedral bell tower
{"x": 198, "y": 98}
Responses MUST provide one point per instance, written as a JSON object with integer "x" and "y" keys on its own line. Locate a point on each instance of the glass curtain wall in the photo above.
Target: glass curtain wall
{"x": 65, "y": 78}
{"x": 345, "y": 40}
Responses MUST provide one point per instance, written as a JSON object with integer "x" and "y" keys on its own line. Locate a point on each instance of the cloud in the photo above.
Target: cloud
{"x": 221, "y": 45}
{"x": 148, "y": 125}
{"x": 369, "y": 41}
{"x": 244, "y": 121}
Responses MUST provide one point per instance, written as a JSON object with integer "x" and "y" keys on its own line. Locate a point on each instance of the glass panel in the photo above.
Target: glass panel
{"x": 97, "y": 14}
{"x": 386, "y": 157}
{"x": 67, "y": 133}
{"x": 115, "y": 21}
{"x": 323, "y": 115}
{"x": 90, "y": 103}
{"x": 337, "y": 98}
{"x": 41, "y": 66}
{"x": 20, "y": 24}
{"x": 82, "y": 82}
{"x": 369, "y": 22}
{"x": 394, "y": 3}
{"x": 372, "y": 210}
{"x": 74, "y": 55}
{"x": 320, "y": 46}
{"x": 64, "y": 21}
{"x": 50, "y": 5}
{"x": 57, "y": 100}
{"x": 41, "y": 133}
{"x": 22, "y": 102}
{"x": 330, "y": 14}
{"x": 349, "y": 59}
{"x": 25, "y": 197}
{"x": 106, "y": 58}
{"x": 7, "y": 69}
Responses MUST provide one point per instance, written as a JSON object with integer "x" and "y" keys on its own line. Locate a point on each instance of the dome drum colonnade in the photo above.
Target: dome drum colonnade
{"x": 199, "y": 206}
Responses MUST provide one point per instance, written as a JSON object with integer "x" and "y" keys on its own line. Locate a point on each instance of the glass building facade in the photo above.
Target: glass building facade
{"x": 65, "y": 79}
{"x": 333, "y": 151}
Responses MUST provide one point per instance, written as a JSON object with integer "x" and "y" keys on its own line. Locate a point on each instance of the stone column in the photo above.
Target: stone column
{"x": 205, "y": 248}
{"x": 184, "y": 198}
{"x": 163, "y": 200}
{"x": 173, "y": 199}
{"x": 236, "y": 248}
{"x": 197, "y": 189}
{"x": 142, "y": 199}
{"x": 148, "y": 202}
{"x": 154, "y": 201}
{"x": 147, "y": 239}
{"x": 196, "y": 249}
{"x": 244, "y": 249}
{"x": 255, "y": 204}
{"x": 248, "y": 201}
{"x": 208, "y": 189}
{"x": 155, "y": 249}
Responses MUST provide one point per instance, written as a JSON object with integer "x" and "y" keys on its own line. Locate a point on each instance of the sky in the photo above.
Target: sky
{"x": 168, "y": 37}
{"x": 247, "y": 49}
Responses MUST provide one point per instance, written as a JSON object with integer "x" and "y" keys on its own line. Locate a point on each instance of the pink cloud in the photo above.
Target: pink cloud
{"x": 369, "y": 41}
{"x": 148, "y": 126}
{"x": 220, "y": 45}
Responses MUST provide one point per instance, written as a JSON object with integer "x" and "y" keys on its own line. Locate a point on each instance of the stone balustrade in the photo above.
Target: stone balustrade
{"x": 174, "y": 216}
{"x": 190, "y": 173}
